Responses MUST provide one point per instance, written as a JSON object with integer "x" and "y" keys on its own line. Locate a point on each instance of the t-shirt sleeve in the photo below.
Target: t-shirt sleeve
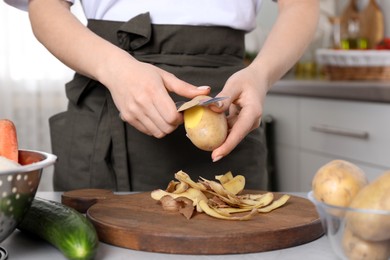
{"x": 23, "y": 4}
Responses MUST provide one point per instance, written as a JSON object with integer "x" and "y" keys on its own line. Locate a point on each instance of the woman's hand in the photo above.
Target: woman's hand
{"x": 140, "y": 92}
{"x": 247, "y": 90}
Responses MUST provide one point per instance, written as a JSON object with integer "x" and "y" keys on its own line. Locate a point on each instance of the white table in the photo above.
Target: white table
{"x": 22, "y": 246}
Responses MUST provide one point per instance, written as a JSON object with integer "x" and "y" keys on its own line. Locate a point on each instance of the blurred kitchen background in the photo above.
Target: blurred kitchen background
{"x": 32, "y": 80}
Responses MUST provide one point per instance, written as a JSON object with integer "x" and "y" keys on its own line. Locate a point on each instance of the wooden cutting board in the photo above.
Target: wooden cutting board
{"x": 138, "y": 222}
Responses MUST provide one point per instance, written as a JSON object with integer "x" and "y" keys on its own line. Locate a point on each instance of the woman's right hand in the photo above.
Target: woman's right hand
{"x": 140, "y": 92}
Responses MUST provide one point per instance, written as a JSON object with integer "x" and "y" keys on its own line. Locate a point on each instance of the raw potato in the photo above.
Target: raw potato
{"x": 375, "y": 196}
{"x": 206, "y": 129}
{"x": 337, "y": 182}
{"x": 356, "y": 248}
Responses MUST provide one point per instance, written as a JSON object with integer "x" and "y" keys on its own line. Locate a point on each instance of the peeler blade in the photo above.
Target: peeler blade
{"x": 183, "y": 105}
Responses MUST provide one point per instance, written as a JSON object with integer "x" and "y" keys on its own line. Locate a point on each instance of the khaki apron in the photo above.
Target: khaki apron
{"x": 96, "y": 149}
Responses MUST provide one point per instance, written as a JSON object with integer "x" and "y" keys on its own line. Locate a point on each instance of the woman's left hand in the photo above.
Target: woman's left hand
{"x": 247, "y": 90}
{"x": 296, "y": 24}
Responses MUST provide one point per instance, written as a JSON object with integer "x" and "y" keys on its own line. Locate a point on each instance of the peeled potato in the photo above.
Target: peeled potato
{"x": 376, "y": 196}
{"x": 356, "y": 248}
{"x": 206, "y": 129}
{"x": 337, "y": 182}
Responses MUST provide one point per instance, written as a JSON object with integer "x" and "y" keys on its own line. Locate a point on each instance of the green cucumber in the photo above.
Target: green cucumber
{"x": 63, "y": 227}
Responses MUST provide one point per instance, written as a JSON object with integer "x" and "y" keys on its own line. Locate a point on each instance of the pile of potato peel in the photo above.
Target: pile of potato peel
{"x": 220, "y": 199}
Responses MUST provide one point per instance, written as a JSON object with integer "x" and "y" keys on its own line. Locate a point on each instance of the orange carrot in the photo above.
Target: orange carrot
{"x": 8, "y": 140}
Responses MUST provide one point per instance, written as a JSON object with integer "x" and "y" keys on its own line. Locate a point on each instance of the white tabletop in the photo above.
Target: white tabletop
{"x": 21, "y": 246}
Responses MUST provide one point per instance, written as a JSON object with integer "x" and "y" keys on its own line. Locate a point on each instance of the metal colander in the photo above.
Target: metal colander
{"x": 18, "y": 187}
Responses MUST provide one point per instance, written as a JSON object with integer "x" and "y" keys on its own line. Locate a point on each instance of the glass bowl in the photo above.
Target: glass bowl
{"x": 343, "y": 241}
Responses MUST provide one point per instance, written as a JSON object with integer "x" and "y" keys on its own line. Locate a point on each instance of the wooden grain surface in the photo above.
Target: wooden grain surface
{"x": 138, "y": 222}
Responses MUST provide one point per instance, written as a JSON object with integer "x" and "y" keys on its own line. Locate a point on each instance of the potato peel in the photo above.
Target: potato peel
{"x": 275, "y": 204}
{"x": 183, "y": 177}
{"x": 262, "y": 201}
{"x": 220, "y": 199}
{"x": 235, "y": 185}
{"x": 181, "y": 187}
{"x": 224, "y": 178}
{"x": 213, "y": 213}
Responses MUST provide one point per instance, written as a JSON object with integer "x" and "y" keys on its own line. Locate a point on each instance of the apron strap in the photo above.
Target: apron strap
{"x": 177, "y": 45}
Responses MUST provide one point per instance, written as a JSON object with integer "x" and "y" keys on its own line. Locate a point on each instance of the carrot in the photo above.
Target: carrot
{"x": 8, "y": 140}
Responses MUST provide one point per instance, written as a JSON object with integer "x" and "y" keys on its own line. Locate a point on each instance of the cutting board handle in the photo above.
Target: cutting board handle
{"x": 82, "y": 199}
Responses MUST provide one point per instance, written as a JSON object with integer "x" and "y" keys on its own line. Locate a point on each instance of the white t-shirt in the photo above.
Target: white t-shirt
{"x": 238, "y": 14}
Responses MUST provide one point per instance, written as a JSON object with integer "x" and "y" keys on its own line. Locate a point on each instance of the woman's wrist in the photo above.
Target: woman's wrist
{"x": 262, "y": 73}
{"x": 115, "y": 61}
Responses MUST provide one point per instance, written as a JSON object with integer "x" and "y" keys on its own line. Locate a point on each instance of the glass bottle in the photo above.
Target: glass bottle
{"x": 336, "y": 32}
{"x": 350, "y": 27}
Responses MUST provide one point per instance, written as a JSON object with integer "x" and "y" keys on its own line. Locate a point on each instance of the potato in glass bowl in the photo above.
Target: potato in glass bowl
{"x": 355, "y": 233}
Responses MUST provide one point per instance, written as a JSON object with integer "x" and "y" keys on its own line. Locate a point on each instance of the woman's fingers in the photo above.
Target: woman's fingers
{"x": 151, "y": 120}
{"x": 241, "y": 122}
{"x": 182, "y": 88}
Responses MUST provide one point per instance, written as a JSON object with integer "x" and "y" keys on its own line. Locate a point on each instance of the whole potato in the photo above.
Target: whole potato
{"x": 337, "y": 182}
{"x": 205, "y": 128}
{"x": 356, "y": 248}
{"x": 376, "y": 196}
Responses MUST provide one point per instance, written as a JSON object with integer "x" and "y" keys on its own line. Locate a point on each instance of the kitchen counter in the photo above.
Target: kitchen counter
{"x": 22, "y": 246}
{"x": 370, "y": 91}
{"x": 316, "y": 121}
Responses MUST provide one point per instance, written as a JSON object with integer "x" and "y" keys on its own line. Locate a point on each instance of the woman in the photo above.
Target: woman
{"x": 135, "y": 59}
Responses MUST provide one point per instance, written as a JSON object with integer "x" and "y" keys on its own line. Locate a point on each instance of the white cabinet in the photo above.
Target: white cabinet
{"x": 313, "y": 131}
